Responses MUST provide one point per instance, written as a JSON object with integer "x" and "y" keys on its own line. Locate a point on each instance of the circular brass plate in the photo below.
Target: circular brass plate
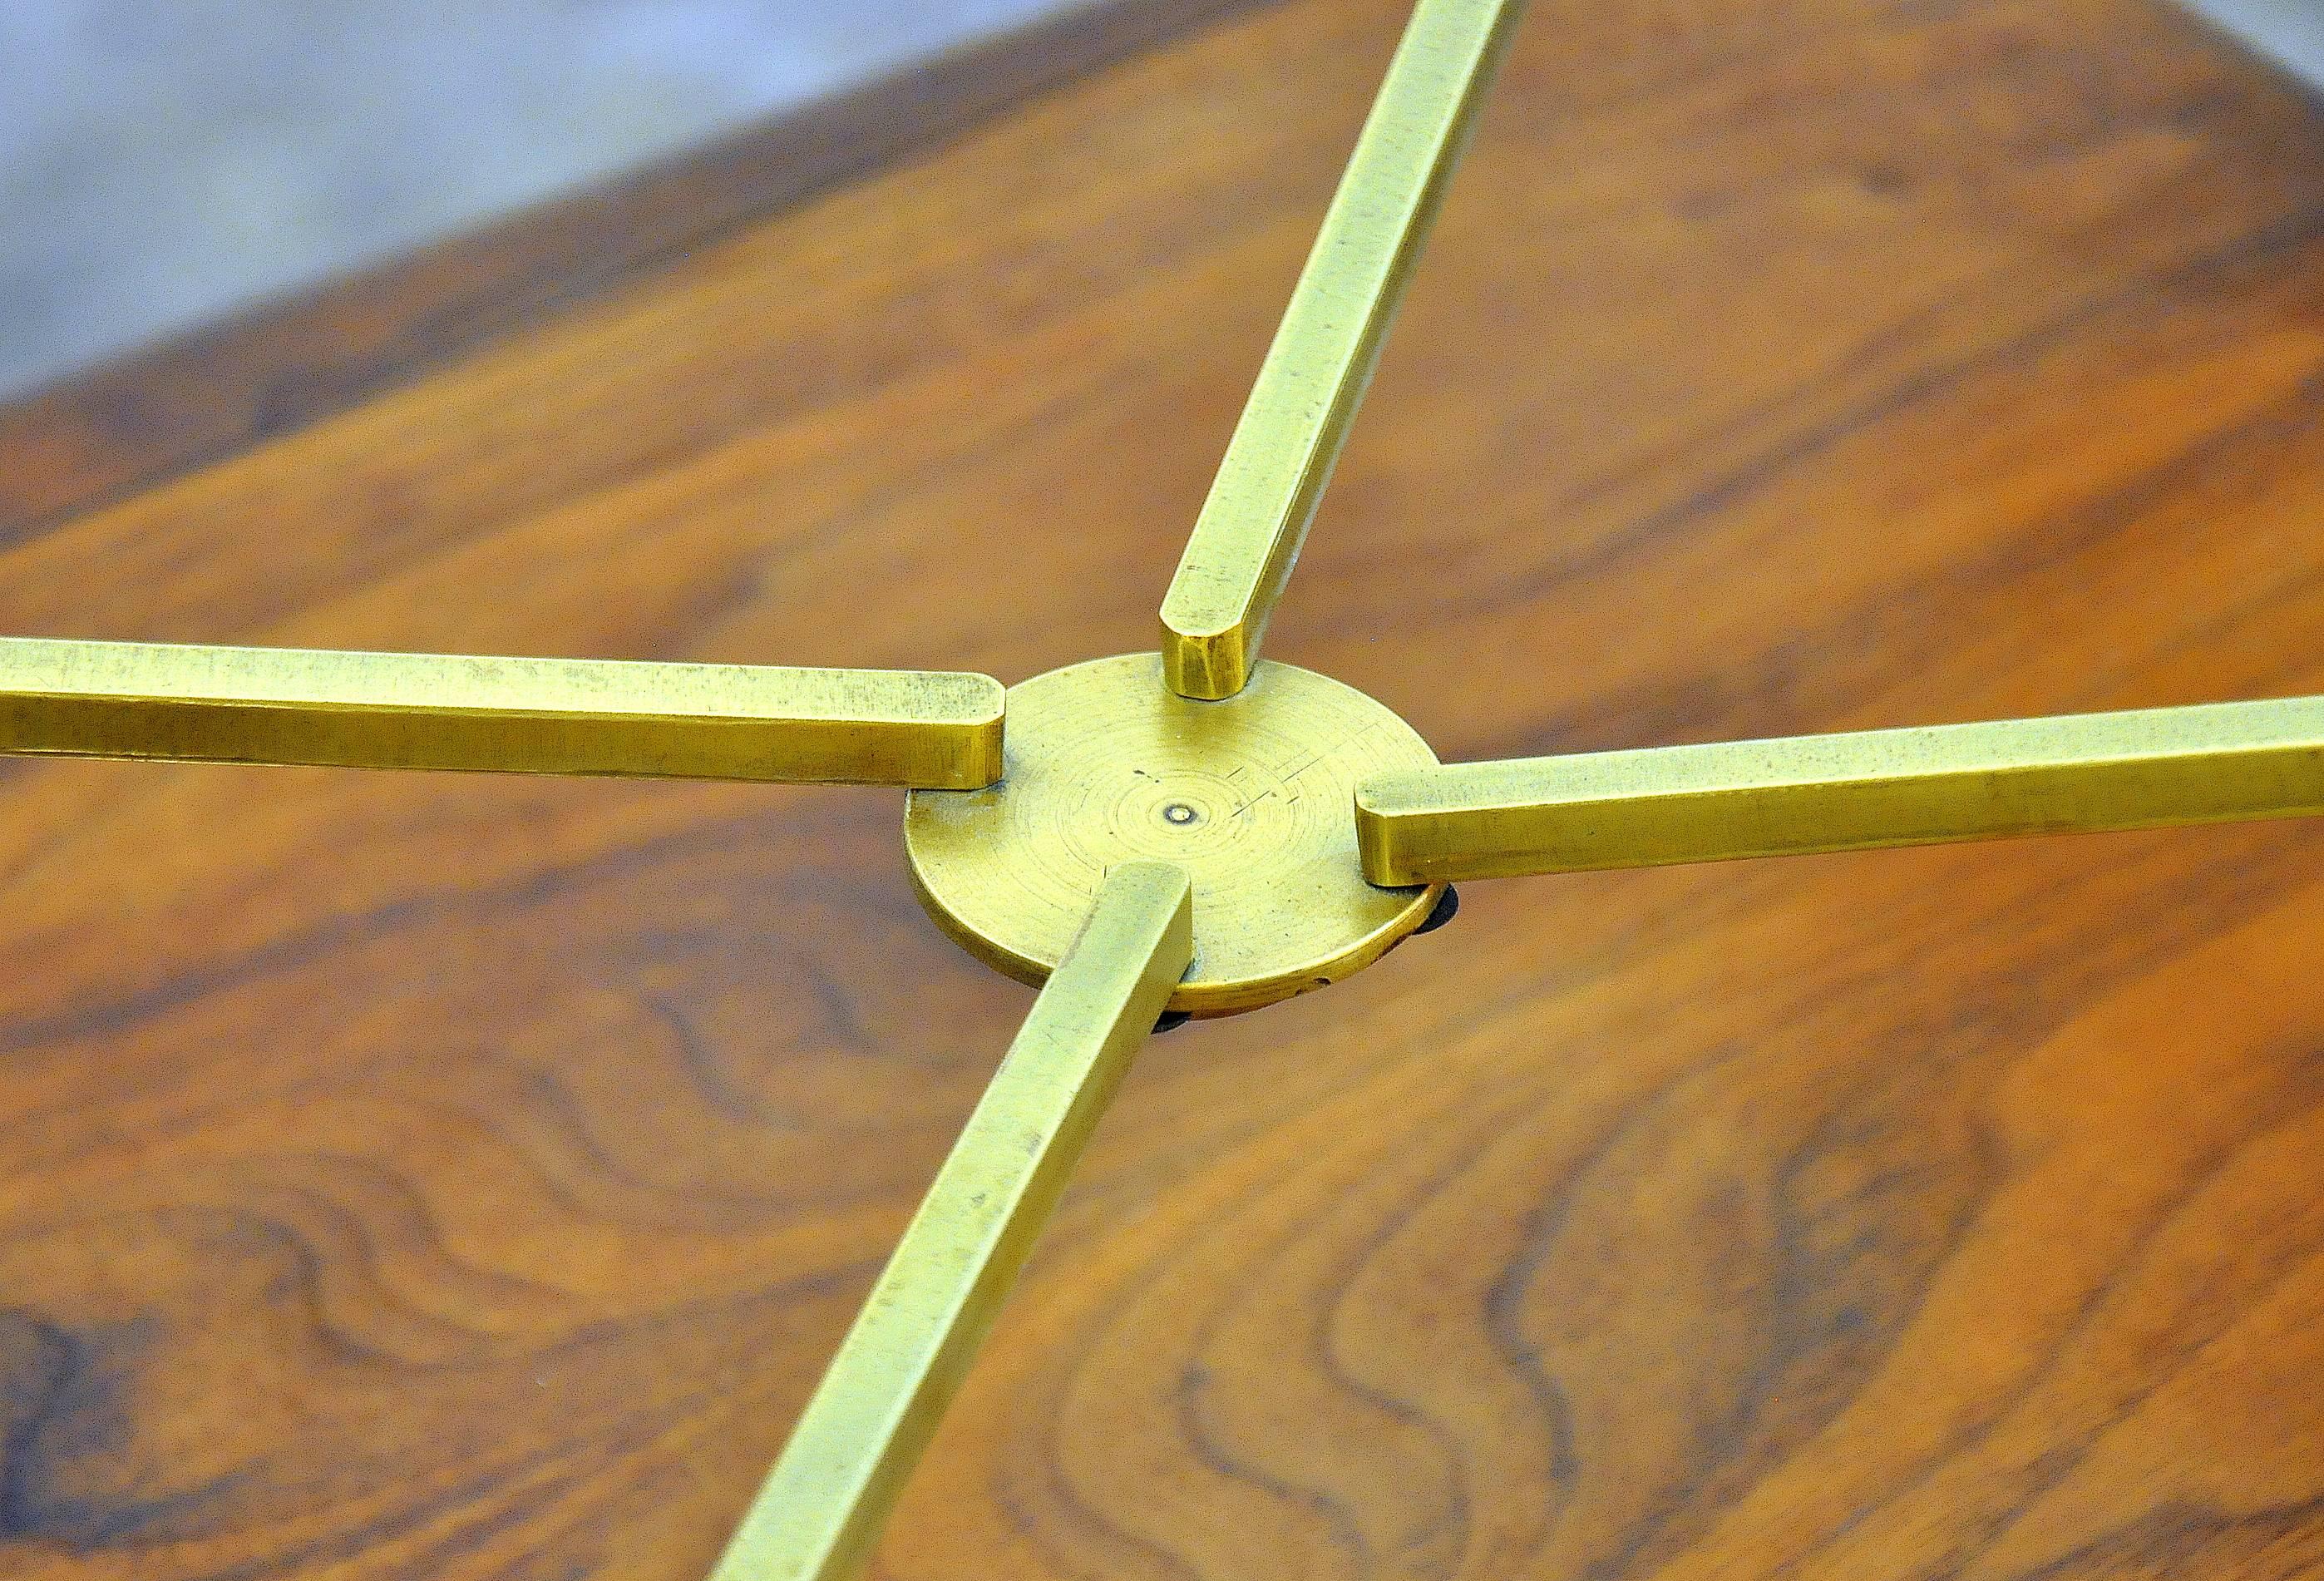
{"x": 1253, "y": 796}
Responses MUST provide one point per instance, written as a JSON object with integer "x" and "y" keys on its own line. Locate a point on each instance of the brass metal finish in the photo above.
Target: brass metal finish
{"x": 1172, "y": 829}
{"x": 527, "y": 716}
{"x": 2083, "y": 771}
{"x": 1250, "y": 795}
{"x": 1276, "y": 467}
{"x": 878, "y": 1404}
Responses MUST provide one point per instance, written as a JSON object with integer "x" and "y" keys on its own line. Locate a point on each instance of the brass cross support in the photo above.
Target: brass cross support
{"x": 821, "y": 1508}
{"x": 1193, "y": 831}
{"x": 2079, "y": 771}
{"x": 525, "y": 715}
{"x": 1281, "y": 456}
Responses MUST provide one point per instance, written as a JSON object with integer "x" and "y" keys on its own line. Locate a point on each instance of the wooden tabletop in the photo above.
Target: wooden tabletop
{"x": 450, "y": 1177}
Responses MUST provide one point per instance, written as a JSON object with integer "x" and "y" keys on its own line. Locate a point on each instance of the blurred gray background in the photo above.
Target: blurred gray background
{"x": 164, "y": 162}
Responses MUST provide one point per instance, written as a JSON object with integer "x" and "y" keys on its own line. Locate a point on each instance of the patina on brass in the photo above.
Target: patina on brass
{"x": 818, "y": 1513}
{"x": 1251, "y": 796}
{"x": 1281, "y": 456}
{"x": 1193, "y": 806}
{"x": 524, "y": 715}
{"x": 2081, "y": 772}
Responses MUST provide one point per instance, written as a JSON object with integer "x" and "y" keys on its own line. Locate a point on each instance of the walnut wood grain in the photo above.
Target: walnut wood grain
{"x": 135, "y": 421}
{"x": 420, "y": 1176}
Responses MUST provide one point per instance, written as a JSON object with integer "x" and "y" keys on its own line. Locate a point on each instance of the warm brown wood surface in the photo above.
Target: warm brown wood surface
{"x": 448, "y": 1176}
{"x": 131, "y": 424}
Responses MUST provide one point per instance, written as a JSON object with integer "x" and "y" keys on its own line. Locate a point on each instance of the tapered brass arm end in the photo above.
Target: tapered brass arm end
{"x": 1205, "y": 664}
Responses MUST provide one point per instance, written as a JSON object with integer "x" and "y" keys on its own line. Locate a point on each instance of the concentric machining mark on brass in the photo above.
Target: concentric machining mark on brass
{"x": 1252, "y": 795}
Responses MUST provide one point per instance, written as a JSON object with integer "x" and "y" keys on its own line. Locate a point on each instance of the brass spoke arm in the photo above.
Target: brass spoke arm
{"x": 940, "y": 730}
{"x": 1276, "y": 465}
{"x": 2213, "y": 763}
{"x": 822, "y": 1507}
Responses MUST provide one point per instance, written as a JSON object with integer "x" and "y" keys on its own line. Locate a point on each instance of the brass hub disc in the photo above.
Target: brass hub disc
{"x": 1253, "y": 796}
